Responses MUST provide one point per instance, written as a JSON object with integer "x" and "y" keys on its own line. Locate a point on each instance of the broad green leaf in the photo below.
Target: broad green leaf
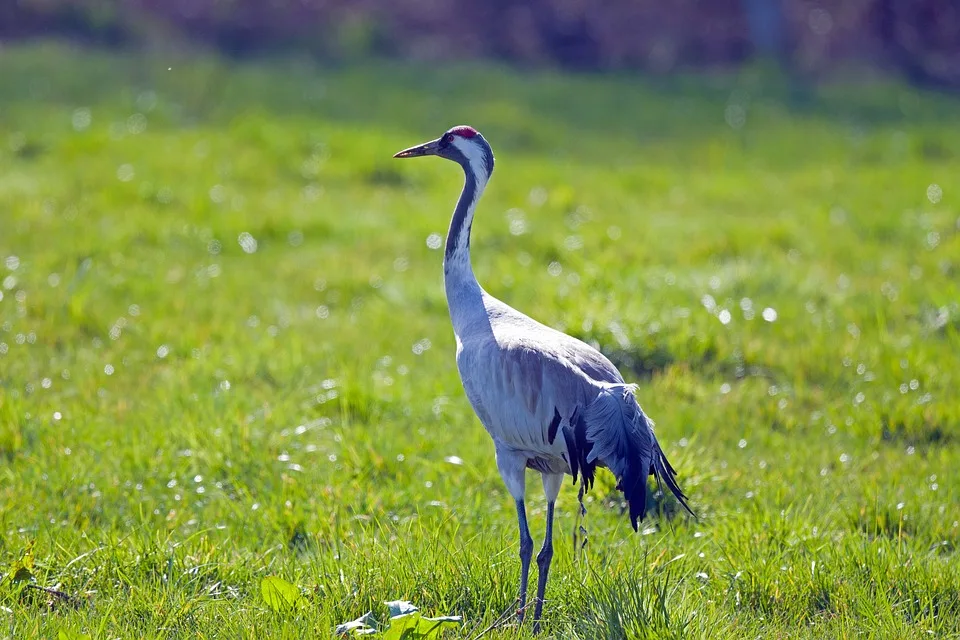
{"x": 279, "y": 594}
{"x": 413, "y": 626}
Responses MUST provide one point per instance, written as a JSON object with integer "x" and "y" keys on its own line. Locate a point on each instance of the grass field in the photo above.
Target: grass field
{"x": 225, "y": 352}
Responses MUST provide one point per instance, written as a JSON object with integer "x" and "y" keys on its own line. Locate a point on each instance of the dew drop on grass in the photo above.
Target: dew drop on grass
{"x": 57, "y": 415}
{"x": 108, "y": 369}
{"x": 934, "y": 193}
{"x": 434, "y": 241}
{"x": 420, "y": 346}
{"x": 724, "y": 316}
{"x": 537, "y": 196}
{"x": 147, "y": 100}
{"x": 742, "y": 444}
{"x": 457, "y": 460}
{"x": 769, "y": 314}
{"x": 125, "y": 173}
{"x": 247, "y": 242}
{"x": 735, "y": 116}
{"x": 81, "y": 119}
{"x": 136, "y": 124}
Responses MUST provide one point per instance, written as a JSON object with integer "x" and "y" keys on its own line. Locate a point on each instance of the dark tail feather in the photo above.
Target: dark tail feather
{"x": 663, "y": 471}
{"x": 621, "y": 437}
{"x": 636, "y": 497}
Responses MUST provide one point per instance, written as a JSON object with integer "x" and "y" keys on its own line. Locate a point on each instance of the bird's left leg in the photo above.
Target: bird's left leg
{"x": 551, "y": 487}
{"x": 513, "y": 468}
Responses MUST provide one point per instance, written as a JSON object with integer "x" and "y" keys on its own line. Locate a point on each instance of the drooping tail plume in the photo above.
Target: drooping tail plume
{"x": 621, "y": 437}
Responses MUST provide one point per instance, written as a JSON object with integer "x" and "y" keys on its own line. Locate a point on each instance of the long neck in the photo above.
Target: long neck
{"x": 463, "y": 291}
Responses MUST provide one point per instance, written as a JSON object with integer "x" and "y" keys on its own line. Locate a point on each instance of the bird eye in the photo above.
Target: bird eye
{"x": 449, "y": 138}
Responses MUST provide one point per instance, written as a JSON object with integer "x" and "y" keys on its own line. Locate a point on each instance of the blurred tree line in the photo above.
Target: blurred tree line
{"x": 919, "y": 38}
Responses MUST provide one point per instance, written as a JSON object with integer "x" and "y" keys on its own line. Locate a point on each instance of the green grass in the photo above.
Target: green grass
{"x": 180, "y": 419}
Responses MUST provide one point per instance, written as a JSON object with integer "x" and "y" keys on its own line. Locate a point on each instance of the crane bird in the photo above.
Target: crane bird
{"x": 550, "y": 402}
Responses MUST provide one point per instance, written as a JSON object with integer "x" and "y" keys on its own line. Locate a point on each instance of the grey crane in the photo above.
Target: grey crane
{"x": 550, "y": 402}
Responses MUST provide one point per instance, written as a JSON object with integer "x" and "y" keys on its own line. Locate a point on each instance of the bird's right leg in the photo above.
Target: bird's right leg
{"x": 513, "y": 467}
{"x": 526, "y": 554}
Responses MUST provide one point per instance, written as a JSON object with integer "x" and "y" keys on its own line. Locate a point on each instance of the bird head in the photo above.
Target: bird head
{"x": 464, "y": 145}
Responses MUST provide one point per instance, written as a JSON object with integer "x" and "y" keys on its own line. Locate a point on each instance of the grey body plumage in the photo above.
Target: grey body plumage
{"x": 550, "y": 402}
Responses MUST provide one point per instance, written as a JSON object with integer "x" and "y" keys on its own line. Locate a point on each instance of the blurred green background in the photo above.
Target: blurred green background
{"x": 225, "y": 354}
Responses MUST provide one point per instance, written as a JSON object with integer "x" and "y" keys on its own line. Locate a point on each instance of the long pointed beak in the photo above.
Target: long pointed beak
{"x": 426, "y": 149}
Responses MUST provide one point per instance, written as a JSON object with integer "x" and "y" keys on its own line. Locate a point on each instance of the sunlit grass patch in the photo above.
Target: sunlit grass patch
{"x": 225, "y": 354}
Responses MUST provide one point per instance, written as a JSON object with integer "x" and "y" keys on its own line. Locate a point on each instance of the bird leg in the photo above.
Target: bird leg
{"x": 543, "y": 564}
{"x": 580, "y": 532}
{"x": 526, "y": 553}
